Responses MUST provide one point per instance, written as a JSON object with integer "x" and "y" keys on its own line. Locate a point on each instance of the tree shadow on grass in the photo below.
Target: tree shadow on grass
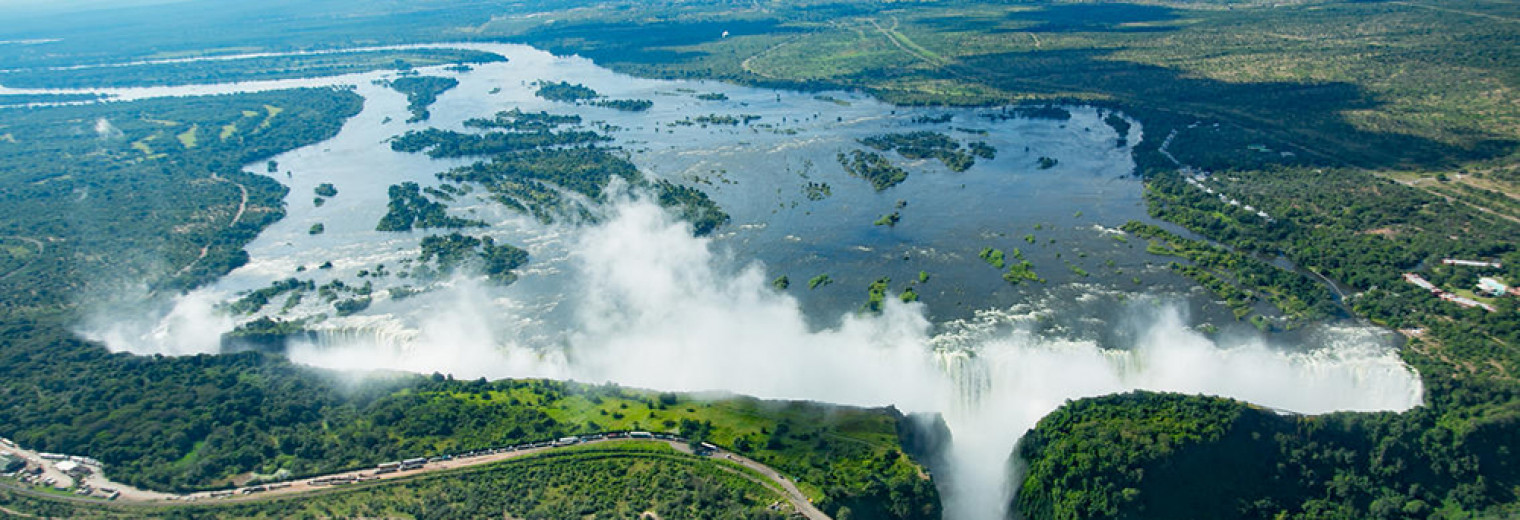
{"x": 1063, "y": 18}
{"x": 1307, "y": 116}
{"x": 647, "y": 44}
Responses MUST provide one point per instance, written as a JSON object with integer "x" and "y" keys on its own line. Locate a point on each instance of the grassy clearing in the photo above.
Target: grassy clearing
{"x": 187, "y": 138}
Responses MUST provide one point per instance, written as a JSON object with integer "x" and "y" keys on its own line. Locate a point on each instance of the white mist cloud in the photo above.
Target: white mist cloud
{"x": 460, "y": 336}
{"x": 654, "y": 307}
{"x": 105, "y": 130}
{"x": 1020, "y": 377}
{"x": 657, "y": 309}
{"x": 191, "y": 325}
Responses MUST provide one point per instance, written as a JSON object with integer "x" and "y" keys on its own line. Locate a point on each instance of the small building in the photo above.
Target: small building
{"x": 1466, "y": 302}
{"x": 1471, "y": 263}
{"x": 1492, "y": 286}
{"x": 1420, "y": 281}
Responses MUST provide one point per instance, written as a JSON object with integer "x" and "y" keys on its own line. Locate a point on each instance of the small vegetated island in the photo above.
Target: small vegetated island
{"x": 508, "y": 131}
{"x": 872, "y": 167}
{"x": 882, "y": 174}
{"x": 715, "y": 119}
{"x": 1017, "y": 272}
{"x": 454, "y": 250}
{"x": 1049, "y": 112}
{"x": 566, "y": 92}
{"x": 932, "y": 145}
{"x": 421, "y": 92}
{"x": 323, "y": 191}
{"x": 409, "y": 208}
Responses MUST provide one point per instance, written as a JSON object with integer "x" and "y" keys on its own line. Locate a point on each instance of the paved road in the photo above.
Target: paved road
{"x": 788, "y": 489}
{"x": 793, "y": 494}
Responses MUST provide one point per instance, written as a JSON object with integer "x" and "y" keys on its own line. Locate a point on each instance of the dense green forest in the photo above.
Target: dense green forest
{"x": 516, "y": 120}
{"x": 1446, "y": 459}
{"x": 566, "y": 92}
{"x": 123, "y": 193}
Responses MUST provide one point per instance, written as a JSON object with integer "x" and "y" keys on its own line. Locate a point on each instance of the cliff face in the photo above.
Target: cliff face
{"x": 897, "y": 484}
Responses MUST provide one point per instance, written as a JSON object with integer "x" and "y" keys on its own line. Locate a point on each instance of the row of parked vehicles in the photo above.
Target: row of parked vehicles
{"x": 420, "y": 462}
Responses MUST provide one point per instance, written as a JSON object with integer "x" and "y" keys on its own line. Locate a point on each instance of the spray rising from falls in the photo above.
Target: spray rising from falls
{"x": 1012, "y": 379}
{"x": 653, "y": 307}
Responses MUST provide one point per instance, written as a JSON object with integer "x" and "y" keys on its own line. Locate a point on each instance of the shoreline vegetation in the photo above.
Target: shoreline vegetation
{"x": 246, "y": 69}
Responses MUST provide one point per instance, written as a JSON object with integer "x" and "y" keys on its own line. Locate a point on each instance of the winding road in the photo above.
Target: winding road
{"x": 37, "y": 243}
{"x": 776, "y": 481}
{"x": 236, "y": 217}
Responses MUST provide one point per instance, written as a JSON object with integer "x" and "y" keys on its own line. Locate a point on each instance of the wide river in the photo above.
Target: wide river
{"x": 634, "y": 298}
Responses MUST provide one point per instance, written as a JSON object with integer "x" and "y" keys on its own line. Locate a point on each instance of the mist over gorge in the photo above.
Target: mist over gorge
{"x": 634, "y": 298}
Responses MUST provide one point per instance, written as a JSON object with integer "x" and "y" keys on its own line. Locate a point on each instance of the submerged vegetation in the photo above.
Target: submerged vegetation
{"x": 1296, "y": 295}
{"x": 626, "y": 105}
{"x": 925, "y": 144}
{"x": 880, "y": 172}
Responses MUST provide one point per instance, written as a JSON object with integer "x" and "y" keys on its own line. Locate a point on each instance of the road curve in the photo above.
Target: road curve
{"x": 788, "y": 489}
